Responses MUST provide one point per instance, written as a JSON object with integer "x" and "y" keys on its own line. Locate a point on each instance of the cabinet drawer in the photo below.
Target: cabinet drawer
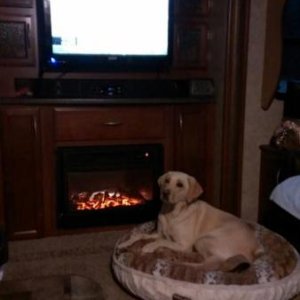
{"x": 84, "y": 124}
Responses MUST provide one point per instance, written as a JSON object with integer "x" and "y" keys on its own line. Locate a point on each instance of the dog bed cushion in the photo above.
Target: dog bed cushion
{"x": 167, "y": 274}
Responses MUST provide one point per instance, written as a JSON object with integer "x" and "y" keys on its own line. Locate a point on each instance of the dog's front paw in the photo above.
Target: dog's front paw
{"x": 123, "y": 245}
{"x": 149, "y": 248}
{"x": 127, "y": 242}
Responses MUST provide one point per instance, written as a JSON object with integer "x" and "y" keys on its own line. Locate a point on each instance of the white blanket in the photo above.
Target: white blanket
{"x": 287, "y": 195}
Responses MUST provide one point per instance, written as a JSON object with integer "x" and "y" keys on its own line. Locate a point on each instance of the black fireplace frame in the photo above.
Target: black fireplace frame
{"x": 82, "y": 158}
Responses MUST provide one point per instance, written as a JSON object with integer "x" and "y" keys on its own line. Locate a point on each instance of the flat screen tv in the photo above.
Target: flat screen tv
{"x": 105, "y": 35}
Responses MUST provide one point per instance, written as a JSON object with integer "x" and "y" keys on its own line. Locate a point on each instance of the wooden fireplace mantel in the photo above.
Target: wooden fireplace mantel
{"x": 31, "y": 133}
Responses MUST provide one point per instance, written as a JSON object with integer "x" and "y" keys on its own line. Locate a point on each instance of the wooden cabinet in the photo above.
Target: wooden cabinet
{"x": 31, "y": 134}
{"x": 191, "y": 35}
{"x": 110, "y": 123}
{"x": 194, "y": 150}
{"x": 21, "y": 164}
{"x": 190, "y": 46}
{"x": 16, "y": 40}
{"x": 116, "y": 125}
{"x": 276, "y": 165}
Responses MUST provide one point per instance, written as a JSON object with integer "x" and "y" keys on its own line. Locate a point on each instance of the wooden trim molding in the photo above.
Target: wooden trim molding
{"x": 234, "y": 105}
{"x": 273, "y": 51}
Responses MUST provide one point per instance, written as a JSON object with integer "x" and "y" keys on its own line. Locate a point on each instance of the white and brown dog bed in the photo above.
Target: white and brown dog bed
{"x": 169, "y": 275}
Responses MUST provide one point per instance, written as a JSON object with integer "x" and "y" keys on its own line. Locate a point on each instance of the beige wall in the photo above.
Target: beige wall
{"x": 259, "y": 124}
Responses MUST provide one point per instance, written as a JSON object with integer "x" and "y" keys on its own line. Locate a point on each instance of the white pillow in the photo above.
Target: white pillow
{"x": 287, "y": 195}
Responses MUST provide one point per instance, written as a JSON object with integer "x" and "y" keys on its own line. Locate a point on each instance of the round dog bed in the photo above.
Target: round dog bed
{"x": 167, "y": 274}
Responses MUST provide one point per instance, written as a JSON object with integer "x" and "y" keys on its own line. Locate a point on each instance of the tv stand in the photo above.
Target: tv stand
{"x": 34, "y": 131}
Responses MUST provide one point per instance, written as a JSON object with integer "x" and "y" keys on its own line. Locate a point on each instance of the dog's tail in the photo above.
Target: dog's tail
{"x": 237, "y": 263}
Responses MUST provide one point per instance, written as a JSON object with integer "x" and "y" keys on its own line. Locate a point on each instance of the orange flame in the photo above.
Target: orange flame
{"x": 102, "y": 200}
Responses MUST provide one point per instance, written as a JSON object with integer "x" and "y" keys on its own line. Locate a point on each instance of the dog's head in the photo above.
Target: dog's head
{"x": 177, "y": 186}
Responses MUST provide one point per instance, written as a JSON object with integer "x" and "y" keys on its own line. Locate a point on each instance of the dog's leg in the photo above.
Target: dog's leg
{"x": 205, "y": 247}
{"x": 211, "y": 263}
{"x": 161, "y": 224}
{"x": 151, "y": 247}
{"x": 216, "y": 259}
{"x": 140, "y": 236}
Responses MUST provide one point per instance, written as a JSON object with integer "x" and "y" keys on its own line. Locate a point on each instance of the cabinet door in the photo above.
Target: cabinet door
{"x": 191, "y": 35}
{"x": 194, "y": 143}
{"x": 22, "y": 171}
{"x": 190, "y": 50}
{"x": 16, "y": 40}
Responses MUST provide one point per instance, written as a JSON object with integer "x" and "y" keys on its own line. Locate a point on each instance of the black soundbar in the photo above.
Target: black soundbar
{"x": 123, "y": 88}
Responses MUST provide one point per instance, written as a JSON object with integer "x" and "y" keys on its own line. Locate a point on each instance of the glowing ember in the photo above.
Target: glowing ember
{"x": 103, "y": 199}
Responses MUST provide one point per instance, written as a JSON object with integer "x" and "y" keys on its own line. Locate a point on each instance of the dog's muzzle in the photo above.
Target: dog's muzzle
{"x": 165, "y": 195}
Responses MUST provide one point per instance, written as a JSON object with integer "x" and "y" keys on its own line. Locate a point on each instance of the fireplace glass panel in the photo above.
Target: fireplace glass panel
{"x": 108, "y": 185}
{"x": 107, "y": 189}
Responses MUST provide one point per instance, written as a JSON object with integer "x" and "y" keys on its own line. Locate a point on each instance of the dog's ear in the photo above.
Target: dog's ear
{"x": 161, "y": 179}
{"x": 195, "y": 189}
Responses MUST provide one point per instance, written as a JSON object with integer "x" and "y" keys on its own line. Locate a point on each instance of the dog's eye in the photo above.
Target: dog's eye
{"x": 167, "y": 180}
{"x": 179, "y": 184}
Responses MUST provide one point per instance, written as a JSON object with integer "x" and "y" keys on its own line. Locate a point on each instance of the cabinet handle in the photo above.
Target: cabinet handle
{"x": 112, "y": 123}
{"x": 27, "y": 33}
{"x": 180, "y": 122}
{"x": 35, "y": 127}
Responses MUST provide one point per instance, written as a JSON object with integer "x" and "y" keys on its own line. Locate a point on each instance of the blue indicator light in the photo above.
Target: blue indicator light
{"x": 53, "y": 60}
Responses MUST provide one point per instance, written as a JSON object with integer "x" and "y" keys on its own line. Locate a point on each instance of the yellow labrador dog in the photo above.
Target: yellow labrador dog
{"x": 186, "y": 223}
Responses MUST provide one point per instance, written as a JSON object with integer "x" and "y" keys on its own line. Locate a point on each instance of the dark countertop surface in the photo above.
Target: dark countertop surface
{"x": 103, "y": 101}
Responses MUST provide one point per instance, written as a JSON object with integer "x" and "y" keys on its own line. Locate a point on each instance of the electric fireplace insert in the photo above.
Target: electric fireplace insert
{"x": 108, "y": 185}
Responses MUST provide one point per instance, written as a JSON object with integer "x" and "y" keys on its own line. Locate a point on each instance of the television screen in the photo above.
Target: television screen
{"x": 104, "y": 34}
